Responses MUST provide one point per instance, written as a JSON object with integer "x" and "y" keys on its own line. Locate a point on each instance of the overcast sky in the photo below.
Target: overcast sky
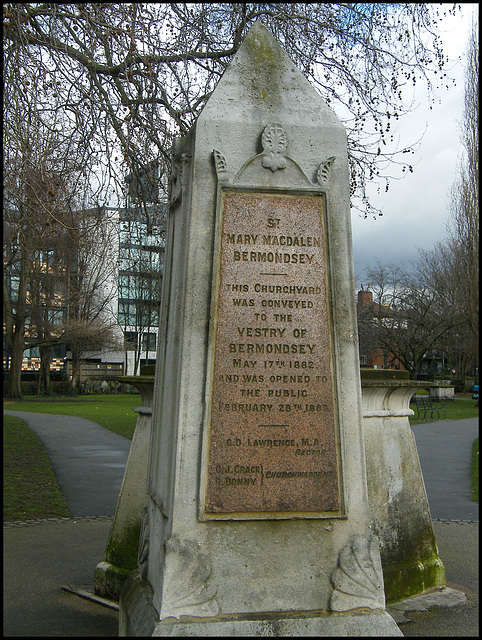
{"x": 416, "y": 208}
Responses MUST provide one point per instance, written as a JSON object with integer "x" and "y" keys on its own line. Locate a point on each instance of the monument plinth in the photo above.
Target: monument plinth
{"x": 121, "y": 551}
{"x": 396, "y": 492}
{"x": 258, "y": 517}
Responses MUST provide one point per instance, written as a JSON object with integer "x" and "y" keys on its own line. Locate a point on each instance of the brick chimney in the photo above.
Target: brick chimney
{"x": 365, "y": 298}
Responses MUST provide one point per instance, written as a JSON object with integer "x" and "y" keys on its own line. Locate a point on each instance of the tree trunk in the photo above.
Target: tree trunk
{"x": 137, "y": 354}
{"x": 15, "y": 329}
{"x": 75, "y": 382}
{"x": 14, "y": 385}
{"x": 44, "y": 377}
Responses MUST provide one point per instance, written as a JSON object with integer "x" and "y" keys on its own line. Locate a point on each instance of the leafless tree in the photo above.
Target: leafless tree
{"x": 52, "y": 244}
{"x": 108, "y": 85}
{"x": 464, "y": 223}
{"x": 134, "y": 75}
{"x": 90, "y": 322}
{"x": 412, "y": 315}
{"x": 35, "y": 194}
{"x": 453, "y": 265}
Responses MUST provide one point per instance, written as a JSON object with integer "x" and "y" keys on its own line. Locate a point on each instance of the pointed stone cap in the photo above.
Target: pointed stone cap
{"x": 264, "y": 79}
{"x": 262, "y": 86}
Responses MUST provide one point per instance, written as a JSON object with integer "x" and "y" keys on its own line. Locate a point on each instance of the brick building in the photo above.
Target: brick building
{"x": 369, "y": 313}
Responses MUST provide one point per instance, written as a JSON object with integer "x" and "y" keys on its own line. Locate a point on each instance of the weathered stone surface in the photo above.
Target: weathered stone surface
{"x": 373, "y": 624}
{"x": 143, "y": 621}
{"x": 398, "y": 502}
{"x": 122, "y": 546}
{"x": 442, "y": 392}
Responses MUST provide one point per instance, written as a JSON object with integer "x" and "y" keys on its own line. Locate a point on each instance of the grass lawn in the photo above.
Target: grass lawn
{"x": 457, "y": 409}
{"x": 113, "y": 411}
{"x": 30, "y": 488}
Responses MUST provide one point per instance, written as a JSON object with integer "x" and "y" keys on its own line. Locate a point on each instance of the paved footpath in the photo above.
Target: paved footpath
{"x": 89, "y": 460}
{"x": 445, "y": 452}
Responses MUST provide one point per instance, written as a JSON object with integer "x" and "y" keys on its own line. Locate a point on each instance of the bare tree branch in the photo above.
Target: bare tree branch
{"x": 151, "y": 67}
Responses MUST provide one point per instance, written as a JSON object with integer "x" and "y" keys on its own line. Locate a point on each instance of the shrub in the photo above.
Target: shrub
{"x": 458, "y": 385}
{"x": 148, "y": 370}
{"x": 29, "y": 388}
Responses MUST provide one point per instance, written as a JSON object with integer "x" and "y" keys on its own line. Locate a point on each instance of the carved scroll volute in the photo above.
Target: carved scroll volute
{"x": 358, "y": 579}
{"x": 178, "y": 179}
{"x": 323, "y": 174}
{"x": 143, "y": 551}
{"x": 221, "y": 167}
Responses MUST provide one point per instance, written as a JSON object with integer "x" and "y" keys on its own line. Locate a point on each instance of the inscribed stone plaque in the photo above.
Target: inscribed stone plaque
{"x": 273, "y": 445}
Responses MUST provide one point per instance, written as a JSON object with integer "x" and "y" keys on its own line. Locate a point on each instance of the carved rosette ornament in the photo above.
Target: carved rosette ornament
{"x": 186, "y": 588}
{"x": 358, "y": 579}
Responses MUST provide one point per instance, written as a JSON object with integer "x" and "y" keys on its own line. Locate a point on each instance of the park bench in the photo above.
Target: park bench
{"x": 426, "y": 409}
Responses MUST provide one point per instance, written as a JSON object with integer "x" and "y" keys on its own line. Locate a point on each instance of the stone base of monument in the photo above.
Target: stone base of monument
{"x": 139, "y": 618}
{"x": 109, "y": 579}
{"x": 122, "y": 546}
{"x": 443, "y": 597}
{"x": 442, "y": 392}
{"x": 398, "y": 502}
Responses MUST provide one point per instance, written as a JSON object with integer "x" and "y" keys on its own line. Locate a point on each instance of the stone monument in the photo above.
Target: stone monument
{"x": 258, "y": 520}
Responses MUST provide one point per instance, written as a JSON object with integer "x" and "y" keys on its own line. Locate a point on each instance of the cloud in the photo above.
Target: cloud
{"x": 416, "y": 208}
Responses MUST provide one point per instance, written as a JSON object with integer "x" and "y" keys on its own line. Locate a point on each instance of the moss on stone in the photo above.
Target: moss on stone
{"x": 109, "y": 580}
{"x": 120, "y": 561}
{"x": 265, "y": 55}
{"x": 122, "y": 550}
{"x": 133, "y": 379}
{"x": 405, "y": 580}
{"x": 261, "y": 46}
{"x": 148, "y": 370}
